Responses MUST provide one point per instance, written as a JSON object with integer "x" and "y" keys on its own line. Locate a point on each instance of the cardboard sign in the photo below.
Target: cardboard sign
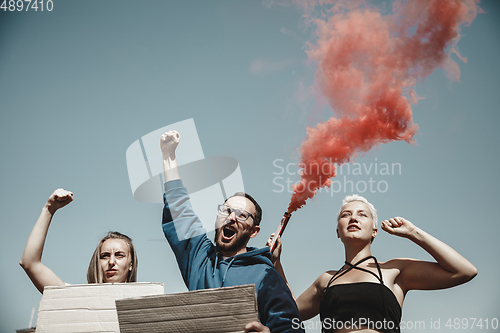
{"x": 87, "y": 307}
{"x": 219, "y": 310}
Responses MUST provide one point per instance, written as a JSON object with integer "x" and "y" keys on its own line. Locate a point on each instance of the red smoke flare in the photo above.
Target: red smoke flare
{"x": 368, "y": 65}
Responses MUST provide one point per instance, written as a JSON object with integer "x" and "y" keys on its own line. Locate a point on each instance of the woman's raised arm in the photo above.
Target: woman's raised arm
{"x": 31, "y": 260}
{"x": 449, "y": 270}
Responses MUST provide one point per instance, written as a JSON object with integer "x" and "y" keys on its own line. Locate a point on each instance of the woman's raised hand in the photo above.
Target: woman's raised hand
{"x": 398, "y": 226}
{"x": 59, "y": 199}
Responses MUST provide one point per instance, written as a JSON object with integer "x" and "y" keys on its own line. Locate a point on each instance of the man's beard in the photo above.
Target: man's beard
{"x": 235, "y": 245}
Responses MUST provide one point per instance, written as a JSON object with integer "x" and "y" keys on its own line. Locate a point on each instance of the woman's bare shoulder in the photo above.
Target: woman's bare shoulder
{"x": 322, "y": 281}
{"x": 397, "y": 263}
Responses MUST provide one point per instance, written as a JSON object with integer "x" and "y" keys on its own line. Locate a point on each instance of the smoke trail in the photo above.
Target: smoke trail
{"x": 368, "y": 65}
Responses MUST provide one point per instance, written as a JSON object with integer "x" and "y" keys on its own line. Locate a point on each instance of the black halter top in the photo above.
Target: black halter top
{"x": 359, "y": 305}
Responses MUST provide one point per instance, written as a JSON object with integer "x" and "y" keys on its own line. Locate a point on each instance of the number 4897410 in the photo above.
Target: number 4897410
{"x": 27, "y": 5}
{"x": 471, "y": 323}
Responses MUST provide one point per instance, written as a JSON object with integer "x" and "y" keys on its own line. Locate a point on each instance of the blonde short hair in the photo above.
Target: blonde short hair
{"x": 355, "y": 197}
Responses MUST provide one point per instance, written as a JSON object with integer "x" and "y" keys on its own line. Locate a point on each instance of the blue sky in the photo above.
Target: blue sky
{"x": 79, "y": 84}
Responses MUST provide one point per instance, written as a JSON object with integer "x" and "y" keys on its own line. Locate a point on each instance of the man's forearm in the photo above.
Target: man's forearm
{"x": 170, "y": 169}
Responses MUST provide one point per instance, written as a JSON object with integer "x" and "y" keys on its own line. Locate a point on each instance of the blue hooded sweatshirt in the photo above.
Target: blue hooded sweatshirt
{"x": 202, "y": 266}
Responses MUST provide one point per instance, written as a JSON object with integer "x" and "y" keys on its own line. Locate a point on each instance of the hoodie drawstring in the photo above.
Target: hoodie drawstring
{"x": 229, "y": 265}
{"x": 216, "y": 261}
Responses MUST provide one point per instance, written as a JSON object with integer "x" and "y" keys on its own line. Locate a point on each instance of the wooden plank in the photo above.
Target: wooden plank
{"x": 221, "y": 310}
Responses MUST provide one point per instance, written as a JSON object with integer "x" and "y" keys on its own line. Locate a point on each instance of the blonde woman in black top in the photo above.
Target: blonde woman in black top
{"x": 365, "y": 294}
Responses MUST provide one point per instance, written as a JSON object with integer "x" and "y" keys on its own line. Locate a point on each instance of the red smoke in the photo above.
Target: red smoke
{"x": 368, "y": 65}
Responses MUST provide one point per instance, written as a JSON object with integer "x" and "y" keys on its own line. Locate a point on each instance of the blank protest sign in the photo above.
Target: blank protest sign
{"x": 221, "y": 310}
{"x": 87, "y": 307}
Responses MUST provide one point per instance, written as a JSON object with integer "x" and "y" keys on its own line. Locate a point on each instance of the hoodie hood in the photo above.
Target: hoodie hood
{"x": 255, "y": 255}
{"x": 252, "y": 256}
{"x": 248, "y": 259}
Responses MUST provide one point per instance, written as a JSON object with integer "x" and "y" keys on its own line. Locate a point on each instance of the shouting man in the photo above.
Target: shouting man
{"x": 229, "y": 262}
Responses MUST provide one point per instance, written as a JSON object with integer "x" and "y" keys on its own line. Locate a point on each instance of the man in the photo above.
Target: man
{"x": 229, "y": 262}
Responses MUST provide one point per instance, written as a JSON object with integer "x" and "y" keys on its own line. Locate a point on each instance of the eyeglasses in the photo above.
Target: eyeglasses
{"x": 241, "y": 215}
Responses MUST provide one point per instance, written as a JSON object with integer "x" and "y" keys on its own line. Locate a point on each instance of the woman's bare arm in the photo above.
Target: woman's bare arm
{"x": 449, "y": 270}
{"x": 31, "y": 261}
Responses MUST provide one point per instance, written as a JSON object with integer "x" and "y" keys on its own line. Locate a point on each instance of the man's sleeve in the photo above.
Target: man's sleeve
{"x": 277, "y": 308}
{"x": 182, "y": 227}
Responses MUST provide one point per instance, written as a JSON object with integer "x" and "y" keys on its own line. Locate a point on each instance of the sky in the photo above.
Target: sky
{"x": 80, "y": 83}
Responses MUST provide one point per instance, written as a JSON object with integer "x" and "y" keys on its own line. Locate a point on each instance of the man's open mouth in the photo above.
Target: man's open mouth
{"x": 228, "y": 233}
